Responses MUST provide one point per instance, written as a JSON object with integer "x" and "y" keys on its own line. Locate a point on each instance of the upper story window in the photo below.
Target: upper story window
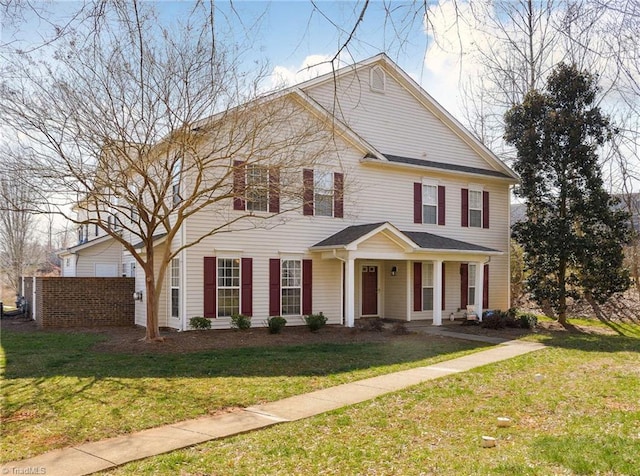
{"x": 429, "y": 204}
{"x": 257, "y": 191}
{"x": 176, "y": 171}
{"x": 256, "y": 187}
{"x": 323, "y": 193}
{"x": 475, "y": 208}
{"x": 377, "y": 79}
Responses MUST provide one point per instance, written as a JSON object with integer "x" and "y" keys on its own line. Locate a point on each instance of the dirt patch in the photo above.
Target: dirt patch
{"x": 130, "y": 340}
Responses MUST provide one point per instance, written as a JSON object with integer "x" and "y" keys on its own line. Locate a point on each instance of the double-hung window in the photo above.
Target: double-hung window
{"x": 427, "y": 286}
{"x": 471, "y": 294}
{"x": 175, "y": 181}
{"x": 228, "y": 286}
{"x": 257, "y": 190}
{"x": 323, "y": 193}
{"x": 429, "y": 204}
{"x": 291, "y": 287}
{"x": 475, "y": 208}
{"x": 175, "y": 287}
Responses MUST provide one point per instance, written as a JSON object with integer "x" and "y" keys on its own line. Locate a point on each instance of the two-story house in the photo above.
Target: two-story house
{"x": 411, "y": 221}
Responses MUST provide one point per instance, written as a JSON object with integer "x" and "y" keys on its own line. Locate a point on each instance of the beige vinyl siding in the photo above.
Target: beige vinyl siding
{"x": 108, "y": 252}
{"x": 395, "y": 290}
{"x": 394, "y": 122}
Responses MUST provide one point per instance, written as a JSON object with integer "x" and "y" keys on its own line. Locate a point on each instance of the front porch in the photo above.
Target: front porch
{"x": 407, "y": 276}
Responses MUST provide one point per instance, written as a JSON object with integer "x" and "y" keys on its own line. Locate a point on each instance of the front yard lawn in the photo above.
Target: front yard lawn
{"x": 59, "y": 389}
{"x": 579, "y": 416}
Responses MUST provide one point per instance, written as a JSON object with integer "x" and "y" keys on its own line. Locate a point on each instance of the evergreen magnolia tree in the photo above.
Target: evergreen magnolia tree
{"x": 574, "y": 233}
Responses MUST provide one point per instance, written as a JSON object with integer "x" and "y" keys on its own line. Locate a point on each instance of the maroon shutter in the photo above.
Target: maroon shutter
{"x": 465, "y": 207}
{"x": 485, "y": 287}
{"x": 485, "y": 209}
{"x": 417, "y": 202}
{"x": 307, "y": 287}
{"x": 247, "y": 287}
{"x": 441, "y": 210}
{"x": 443, "y": 286}
{"x": 239, "y": 185}
{"x": 417, "y": 286}
{"x": 307, "y": 193}
{"x": 210, "y": 286}
{"x": 338, "y": 195}
{"x": 464, "y": 285}
{"x": 274, "y": 190}
{"x": 274, "y": 287}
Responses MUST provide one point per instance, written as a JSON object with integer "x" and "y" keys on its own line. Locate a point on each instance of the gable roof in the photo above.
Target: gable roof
{"x": 427, "y": 101}
{"x": 350, "y": 237}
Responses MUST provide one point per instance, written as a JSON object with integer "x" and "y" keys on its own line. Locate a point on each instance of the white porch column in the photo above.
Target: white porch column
{"x": 479, "y": 290}
{"x": 437, "y": 292}
{"x": 350, "y": 292}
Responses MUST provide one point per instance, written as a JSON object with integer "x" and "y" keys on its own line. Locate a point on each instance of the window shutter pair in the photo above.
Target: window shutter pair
{"x": 417, "y": 203}
{"x": 465, "y": 208}
{"x": 308, "y": 193}
{"x": 274, "y": 286}
{"x": 417, "y": 286}
{"x": 464, "y": 286}
{"x": 239, "y": 187}
{"x": 211, "y": 286}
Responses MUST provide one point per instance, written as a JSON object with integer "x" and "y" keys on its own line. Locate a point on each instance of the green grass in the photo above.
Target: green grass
{"x": 58, "y": 392}
{"x": 581, "y": 418}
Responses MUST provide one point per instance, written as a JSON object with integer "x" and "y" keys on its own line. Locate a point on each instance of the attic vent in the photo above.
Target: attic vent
{"x": 378, "y": 79}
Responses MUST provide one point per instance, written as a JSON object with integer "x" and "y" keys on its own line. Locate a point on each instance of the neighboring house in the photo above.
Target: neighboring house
{"x": 410, "y": 222}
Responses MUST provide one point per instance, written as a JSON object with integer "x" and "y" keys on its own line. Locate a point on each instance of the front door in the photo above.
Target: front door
{"x": 369, "y": 290}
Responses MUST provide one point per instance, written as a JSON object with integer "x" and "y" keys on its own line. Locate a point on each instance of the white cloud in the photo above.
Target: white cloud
{"x": 312, "y": 66}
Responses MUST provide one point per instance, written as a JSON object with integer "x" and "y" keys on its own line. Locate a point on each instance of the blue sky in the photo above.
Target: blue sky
{"x": 292, "y": 34}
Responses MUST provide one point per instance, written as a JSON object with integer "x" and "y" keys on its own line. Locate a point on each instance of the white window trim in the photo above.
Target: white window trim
{"x": 316, "y": 174}
{"x": 478, "y": 189}
{"x": 283, "y": 287}
{"x": 430, "y": 183}
{"x": 267, "y": 168}
{"x": 173, "y": 285}
{"x": 238, "y": 287}
{"x": 471, "y": 283}
{"x": 427, "y": 275}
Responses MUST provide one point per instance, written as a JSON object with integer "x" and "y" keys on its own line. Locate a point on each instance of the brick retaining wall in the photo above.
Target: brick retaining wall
{"x": 84, "y": 302}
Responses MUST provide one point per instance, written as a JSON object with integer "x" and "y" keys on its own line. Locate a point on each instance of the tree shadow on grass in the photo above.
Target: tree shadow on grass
{"x": 44, "y": 354}
{"x": 577, "y": 338}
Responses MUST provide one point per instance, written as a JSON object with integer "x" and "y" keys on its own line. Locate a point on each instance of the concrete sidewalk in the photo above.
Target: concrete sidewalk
{"x": 100, "y": 455}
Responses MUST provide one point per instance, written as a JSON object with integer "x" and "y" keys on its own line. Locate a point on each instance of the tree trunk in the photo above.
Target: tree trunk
{"x": 153, "y": 328}
{"x": 562, "y": 292}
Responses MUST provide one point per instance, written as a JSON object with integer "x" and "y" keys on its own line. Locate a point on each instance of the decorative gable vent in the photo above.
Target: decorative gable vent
{"x": 378, "y": 79}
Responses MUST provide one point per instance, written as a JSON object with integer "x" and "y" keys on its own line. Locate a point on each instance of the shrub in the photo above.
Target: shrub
{"x": 276, "y": 323}
{"x": 528, "y": 320}
{"x": 199, "y": 322}
{"x": 493, "y": 320}
{"x": 315, "y": 321}
{"x": 240, "y": 321}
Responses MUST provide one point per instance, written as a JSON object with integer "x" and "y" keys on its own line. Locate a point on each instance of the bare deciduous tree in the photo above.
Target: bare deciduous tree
{"x": 140, "y": 126}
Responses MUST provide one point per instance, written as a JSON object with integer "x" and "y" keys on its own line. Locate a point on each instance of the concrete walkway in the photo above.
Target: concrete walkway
{"x": 100, "y": 455}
